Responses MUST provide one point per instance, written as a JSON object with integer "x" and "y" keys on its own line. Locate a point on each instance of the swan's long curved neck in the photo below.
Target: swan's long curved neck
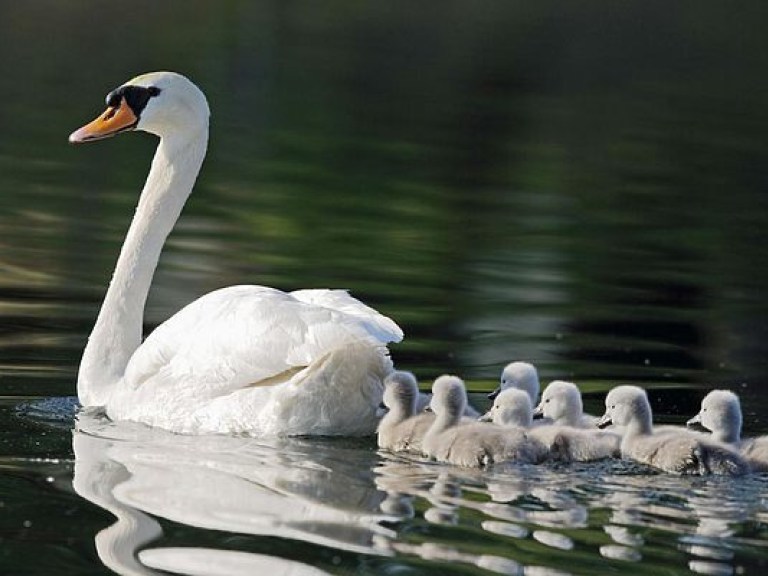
{"x": 118, "y": 329}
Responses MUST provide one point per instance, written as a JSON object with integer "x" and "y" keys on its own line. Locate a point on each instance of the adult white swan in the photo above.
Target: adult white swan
{"x": 243, "y": 359}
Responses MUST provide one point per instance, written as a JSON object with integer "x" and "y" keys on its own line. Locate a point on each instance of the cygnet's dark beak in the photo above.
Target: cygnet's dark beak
{"x": 605, "y": 421}
{"x": 492, "y": 395}
{"x": 538, "y": 412}
{"x": 695, "y": 420}
{"x": 428, "y": 409}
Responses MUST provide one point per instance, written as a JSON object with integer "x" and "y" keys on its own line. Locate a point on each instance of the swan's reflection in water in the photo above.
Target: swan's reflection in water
{"x": 293, "y": 489}
{"x": 398, "y": 512}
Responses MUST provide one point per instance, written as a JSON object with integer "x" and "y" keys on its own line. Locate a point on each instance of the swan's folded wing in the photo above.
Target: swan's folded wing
{"x": 380, "y": 326}
{"x": 247, "y": 335}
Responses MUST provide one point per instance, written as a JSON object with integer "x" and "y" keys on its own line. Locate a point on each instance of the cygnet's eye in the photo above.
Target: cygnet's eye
{"x": 613, "y": 407}
{"x": 703, "y": 409}
{"x": 547, "y": 400}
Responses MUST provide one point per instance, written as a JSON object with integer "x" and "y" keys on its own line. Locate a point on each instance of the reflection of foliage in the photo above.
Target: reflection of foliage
{"x": 530, "y": 183}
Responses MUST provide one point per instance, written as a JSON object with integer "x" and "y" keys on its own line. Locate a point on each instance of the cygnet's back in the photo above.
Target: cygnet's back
{"x": 679, "y": 453}
{"x": 721, "y": 414}
{"x": 561, "y": 403}
{"x": 401, "y": 429}
{"x": 476, "y": 444}
{"x": 513, "y": 408}
{"x": 521, "y": 376}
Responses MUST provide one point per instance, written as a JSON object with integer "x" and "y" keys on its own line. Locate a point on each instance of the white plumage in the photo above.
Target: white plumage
{"x": 243, "y": 359}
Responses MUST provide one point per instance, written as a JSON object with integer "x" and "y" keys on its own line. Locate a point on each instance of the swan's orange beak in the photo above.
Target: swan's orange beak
{"x": 115, "y": 119}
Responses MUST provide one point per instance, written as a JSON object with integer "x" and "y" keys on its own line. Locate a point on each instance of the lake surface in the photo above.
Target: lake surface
{"x": 580, "y": 186}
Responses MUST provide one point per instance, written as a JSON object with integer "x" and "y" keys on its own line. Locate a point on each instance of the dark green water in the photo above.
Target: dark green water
{"x": 579, "y": 185}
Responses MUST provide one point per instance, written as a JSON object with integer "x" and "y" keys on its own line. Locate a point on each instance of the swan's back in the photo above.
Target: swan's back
{"x": 685, "y": 454}
{"x": 755, "y": 450}
{"x": 479, "y": 444}
{"x": 580, "y": 444}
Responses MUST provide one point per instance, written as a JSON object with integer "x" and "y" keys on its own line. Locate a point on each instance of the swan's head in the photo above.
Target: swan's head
{"x": 512, "y": 407}
{"x": 401, "y": 391}
{"x": 720, "y": 411}
{"x": 161, "y": 103}
{"x": 449, "y": 396}
{"x": 520, "y": 375}
{"x": 560, "y": 400}
{"x": 624, "y": 404}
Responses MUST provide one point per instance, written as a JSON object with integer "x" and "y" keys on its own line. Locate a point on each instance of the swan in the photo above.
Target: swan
{"x": 475, "y": 444}
{"x": 402, "y": 429}
{"x": 520, "y": 375}
{"x": 561, "y": 404}
{"x": 675, "y": 452}
{"x": 513, "y": 408}
{"x": 721, "y": 414}
{"x": 243, "y": 359}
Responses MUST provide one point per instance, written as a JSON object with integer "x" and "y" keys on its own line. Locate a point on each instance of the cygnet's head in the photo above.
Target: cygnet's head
{"x": 519, "y": 375}
{"x": 560, "y": 400}
{"x": 625, "y": 404}
{"x": 449, "y": 396}
{"x": 161, "y": 103}
{"x": 720, "y": 411}
{"x": 512, "y": 407}
{"x": 401, "y": 391}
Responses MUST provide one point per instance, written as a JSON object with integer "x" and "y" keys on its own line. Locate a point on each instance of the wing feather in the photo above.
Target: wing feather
{"x": 242, "y": 335}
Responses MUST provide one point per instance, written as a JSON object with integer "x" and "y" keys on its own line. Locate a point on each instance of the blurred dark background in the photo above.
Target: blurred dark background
{"x": 579, "y": 185}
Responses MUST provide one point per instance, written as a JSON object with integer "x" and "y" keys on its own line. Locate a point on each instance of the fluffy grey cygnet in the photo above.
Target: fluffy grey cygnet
{"x": 721, "y": 414}
{"x": 561, "y": 403}
{"x": 675, "y": 452}
{"x": 513, "y": 408}
{"x": 520, "y": 375}
{"x": 475, "y": 444}
{"x": 402, "y": 428}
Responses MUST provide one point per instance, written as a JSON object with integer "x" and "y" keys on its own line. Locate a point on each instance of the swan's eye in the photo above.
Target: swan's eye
{"x": 547, "y": 401}
{"x": 135, "y": 96}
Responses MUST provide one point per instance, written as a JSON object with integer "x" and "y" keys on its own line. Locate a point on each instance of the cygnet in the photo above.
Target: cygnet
{"x": 402, "y": 429}
{"x": 679, "y": 453}
{"x": 475, "y": 444}
{"x": 721, "y": 414}
{"x": 520, "y": 375}
{"x": 513, "y": 408}
{"x": 561, "y": 403}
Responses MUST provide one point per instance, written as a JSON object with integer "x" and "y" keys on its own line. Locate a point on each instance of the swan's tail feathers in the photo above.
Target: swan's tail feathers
{"x": 338, "y": 395}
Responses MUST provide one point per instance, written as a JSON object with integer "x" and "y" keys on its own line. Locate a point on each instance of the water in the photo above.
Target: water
{"x": 579, "y": 186}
